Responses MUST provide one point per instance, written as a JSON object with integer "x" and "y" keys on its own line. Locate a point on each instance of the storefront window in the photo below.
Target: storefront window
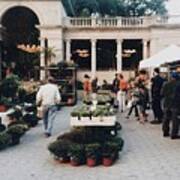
{"x": 106, "y": 55}
{"x": 81, "y": 53}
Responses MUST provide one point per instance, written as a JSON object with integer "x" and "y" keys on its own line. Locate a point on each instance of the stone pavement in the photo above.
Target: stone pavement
{"x": 146, "y": 156}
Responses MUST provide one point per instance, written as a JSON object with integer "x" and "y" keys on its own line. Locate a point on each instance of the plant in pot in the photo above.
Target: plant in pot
{"x": 85, "y": 115}
{"x": 119, "y": 141}
{"x": 5, "y": 140}
{"x": 75, "y": 115}
{"x": 3, "y": 102}
{"x": 60, "y": 149}
{"x": 16, "y": 132}
{"x": 76, "y": 154}
{"x": 93, "y": 154}
{"x": 10, "y": 85}
{"x": 110, "y": 151}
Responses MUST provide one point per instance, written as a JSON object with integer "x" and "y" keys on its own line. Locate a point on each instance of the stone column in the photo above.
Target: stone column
{"x": 119, "y": 55}
{"x": 93, "y": 57}
{"x": 154, "y": 44}
{"x": 145, "y": 49}
{"x": 42, "y": 59}
{"x": 68, "y": 50}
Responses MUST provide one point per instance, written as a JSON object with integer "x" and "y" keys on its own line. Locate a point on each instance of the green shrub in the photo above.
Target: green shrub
{"x": 93, "y": 150}
{"x": 77, "y": 152}
{"x": 59, "y": 148}
{"x": 5, "y": 140}
{"x": 119, "y": 142}
{"x": 10, "y": 86}
{"x": 17, "y": 130}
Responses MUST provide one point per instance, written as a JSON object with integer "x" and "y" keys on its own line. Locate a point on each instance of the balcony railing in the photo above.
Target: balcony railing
{"x": 120, "y": 22}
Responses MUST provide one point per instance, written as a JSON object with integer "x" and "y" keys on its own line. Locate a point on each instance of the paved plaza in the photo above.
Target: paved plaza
{"x": 146, "y": 156}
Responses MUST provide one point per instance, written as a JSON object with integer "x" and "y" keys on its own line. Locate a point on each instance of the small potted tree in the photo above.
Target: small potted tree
{"x": 93, "y": 154}
{"x": 77, "y": 154}
{"x": 60, "y": 149}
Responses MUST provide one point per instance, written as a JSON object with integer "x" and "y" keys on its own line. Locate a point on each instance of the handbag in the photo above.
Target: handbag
{"x": 40, "y": 111}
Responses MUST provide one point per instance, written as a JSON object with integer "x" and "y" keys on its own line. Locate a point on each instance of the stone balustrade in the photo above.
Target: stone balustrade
{"x": 120, "y": 22}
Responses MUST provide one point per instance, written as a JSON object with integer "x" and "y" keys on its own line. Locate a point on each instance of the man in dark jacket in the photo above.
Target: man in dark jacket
{"x": 176, "y": 111}
{"x": 157, "y": 83}
{"x": 167, "y": 93}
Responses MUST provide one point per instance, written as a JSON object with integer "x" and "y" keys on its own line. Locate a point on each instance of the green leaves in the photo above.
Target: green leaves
{"x": 85, "y": 8}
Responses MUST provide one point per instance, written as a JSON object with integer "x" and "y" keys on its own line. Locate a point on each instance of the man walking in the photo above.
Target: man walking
{"x": 48, "y": 97}
{"x": 157, "y": 83}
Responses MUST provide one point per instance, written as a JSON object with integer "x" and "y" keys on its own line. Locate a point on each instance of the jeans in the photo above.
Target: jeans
{"x": 49, "y": 114}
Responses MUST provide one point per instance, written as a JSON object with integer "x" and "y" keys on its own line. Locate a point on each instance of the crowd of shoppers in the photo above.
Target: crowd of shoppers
{"x": 162, "y": 96}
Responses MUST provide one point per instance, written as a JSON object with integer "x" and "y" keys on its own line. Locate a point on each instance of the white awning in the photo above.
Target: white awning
{"x": 167, "y": 55}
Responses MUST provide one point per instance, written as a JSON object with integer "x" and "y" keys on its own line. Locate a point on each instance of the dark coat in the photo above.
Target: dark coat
{"x": 157, "y": 83}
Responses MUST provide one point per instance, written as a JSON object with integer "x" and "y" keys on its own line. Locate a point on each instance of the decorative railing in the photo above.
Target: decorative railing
{"x": 120, "y": 22}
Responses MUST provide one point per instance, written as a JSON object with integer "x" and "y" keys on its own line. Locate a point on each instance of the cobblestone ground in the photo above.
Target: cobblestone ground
{"x": 146, "y": 156}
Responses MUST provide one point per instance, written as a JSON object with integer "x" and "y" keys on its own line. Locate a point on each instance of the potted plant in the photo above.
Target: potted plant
{"x": 85, "y": 115}
{"x": 75, "y": 115}
{"x": 93, "y": 154}
{"x": 3, "y": 104}
{"x": 76, "y": 154}
{"x": 97, "y": 114}
{"x": 119, "y": 141}
{"x": 16, "y": 131}
{"x": 110, "y": 151}
{"x": 60, "y": 149}
{"x": 5, "y": 140}
{"x": 9, "y": 86}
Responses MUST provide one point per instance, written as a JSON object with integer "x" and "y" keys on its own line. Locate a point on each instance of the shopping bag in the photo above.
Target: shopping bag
{"x": 40, "y": 110}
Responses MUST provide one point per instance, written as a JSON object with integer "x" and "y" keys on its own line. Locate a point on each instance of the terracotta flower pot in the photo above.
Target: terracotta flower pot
{"x": 91, "y": 162}
{"x": 64, "y": 160}
{"x": 2, "y": 108}
{"x": 74, "y": 162}
{"x": 107, "y": 161}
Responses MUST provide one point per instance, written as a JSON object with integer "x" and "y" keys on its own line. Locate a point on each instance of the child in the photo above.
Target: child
{"x": 143, "y": 100}
{"x": 134, "y": 98}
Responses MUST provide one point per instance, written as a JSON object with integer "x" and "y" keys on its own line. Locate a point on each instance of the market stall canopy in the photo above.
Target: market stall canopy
{"x": 167, "y": 55}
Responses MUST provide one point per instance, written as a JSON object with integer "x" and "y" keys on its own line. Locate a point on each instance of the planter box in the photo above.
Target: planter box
{"x": 95, "y": 119}
{"x": 74, "y": 118}
{"x": 109, "y": 118}
{"x": 85, "y": 119}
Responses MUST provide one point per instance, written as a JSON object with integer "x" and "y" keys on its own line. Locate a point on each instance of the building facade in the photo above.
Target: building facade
{"x": 64, "y": 33}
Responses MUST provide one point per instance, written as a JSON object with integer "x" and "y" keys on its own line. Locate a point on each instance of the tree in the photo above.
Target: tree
{"x": 116, "y": 7}
{"x": 145, "y": 7}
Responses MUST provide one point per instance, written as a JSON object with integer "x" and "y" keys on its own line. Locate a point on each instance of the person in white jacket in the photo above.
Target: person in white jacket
{"x": 48, "y": 97}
